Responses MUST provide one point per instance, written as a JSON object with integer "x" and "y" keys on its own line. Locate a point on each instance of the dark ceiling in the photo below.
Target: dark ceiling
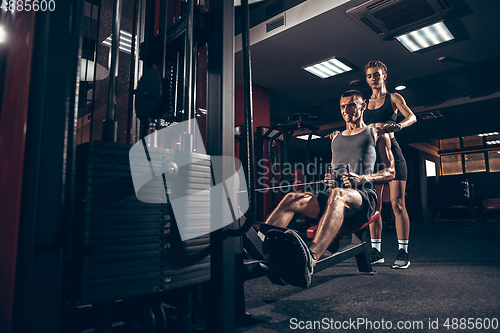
{"x": 465, "y": 88}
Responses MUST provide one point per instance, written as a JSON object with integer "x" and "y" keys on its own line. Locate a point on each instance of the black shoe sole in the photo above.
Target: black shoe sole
{"x": 288, "y": 258}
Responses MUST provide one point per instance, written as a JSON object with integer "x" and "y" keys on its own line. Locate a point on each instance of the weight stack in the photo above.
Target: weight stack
{"x": 122, "y": 247}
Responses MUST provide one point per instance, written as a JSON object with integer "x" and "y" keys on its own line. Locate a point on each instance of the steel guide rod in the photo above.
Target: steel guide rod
{"x": 110, "y": 126}
{"x": 187, "y": 138}
{"x": 248, "y": 107}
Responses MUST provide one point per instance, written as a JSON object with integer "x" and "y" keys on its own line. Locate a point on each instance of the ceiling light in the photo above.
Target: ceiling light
{"x": 328, "y": 68}
{"x": 398, "y": 88}
{"x": 496, "y": 142}
{"x": 488, "y": 134}
{"x": 306, "y": 136}
{"x": 125, "y": 41}
{"x": 429, "y": 36}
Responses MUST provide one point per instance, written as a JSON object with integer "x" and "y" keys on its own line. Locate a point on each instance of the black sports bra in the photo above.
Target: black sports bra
{"x": 384, "y": 114}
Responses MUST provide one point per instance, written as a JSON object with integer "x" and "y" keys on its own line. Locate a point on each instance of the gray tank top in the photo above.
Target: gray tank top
{"x": 358, "y": 151}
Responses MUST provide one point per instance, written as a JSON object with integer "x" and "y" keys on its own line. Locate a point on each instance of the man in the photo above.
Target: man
{"x": 350, "y": 204}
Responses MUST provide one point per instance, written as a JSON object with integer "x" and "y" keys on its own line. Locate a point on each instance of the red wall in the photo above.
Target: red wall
{"x": 261, "y": 107}
{"x": 13, "y": 116}
{"x": 261, "y": 117}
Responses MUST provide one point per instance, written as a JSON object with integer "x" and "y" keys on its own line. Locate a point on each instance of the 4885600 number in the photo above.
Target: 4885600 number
{"x": 28, "y": 5}
{"x": 471, "y": 323}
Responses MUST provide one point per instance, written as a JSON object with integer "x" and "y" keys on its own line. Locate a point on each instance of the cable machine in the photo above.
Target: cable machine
{"x": 156, "y": 272}
{"x": 111, "y": 263}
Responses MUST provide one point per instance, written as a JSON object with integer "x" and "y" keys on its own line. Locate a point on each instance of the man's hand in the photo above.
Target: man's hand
{"x": 330, "y": 180}
{"x": 351, "y": 179}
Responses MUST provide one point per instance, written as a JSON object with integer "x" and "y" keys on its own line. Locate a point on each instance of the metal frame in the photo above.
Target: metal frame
{"x": 46, "y": 206}
{"x": 220, "y": 141}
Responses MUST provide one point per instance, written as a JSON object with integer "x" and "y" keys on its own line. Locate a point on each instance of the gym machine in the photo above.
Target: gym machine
{"x": 128, "y": 267}
{"x": 272, "y": 151}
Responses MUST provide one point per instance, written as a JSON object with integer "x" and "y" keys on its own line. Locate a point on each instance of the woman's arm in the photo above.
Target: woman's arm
{"x": 399, "y": 102}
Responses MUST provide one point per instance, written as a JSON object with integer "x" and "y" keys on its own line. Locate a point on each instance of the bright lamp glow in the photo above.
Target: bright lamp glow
{"x": 3, "y": 34}
{"x": 488, "y": 134}
{"x": 328, "y": 68}
{"x": 426, "y": 37}
{"x": 398, "y": 88}
{"x": 306, "y": 136}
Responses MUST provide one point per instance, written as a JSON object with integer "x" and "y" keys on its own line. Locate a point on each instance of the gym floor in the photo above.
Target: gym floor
{"x": 454, "y": 273}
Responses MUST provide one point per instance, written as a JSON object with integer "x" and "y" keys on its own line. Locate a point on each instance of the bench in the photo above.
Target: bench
{"x": 492, "y": 205}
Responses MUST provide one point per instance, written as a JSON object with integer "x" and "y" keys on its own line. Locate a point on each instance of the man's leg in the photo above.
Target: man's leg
{"x": 287, "y": 250}
{"x": 342, "y": 203}
{"x": 305, "y": 203}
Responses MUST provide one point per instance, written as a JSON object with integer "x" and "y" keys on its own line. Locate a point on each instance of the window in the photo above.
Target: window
{"x": 453, "y": 143}
{"x": 451, "y": 164}
{"x": 473, "y": 140}
{"x": 468, "y": 154}
{"x": 430, "y": 168}
{"x": 494, "y": 160}
{"x": 474, "y": 162}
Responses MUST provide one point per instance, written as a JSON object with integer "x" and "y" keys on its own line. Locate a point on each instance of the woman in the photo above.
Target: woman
{"x": 381, "y": 113}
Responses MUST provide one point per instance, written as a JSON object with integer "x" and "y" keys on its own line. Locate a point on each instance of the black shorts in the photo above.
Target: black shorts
{"x": 364, "y": 215}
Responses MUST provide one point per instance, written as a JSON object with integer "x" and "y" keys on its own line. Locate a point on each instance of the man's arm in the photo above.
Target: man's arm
{"x": 386, "y": 158}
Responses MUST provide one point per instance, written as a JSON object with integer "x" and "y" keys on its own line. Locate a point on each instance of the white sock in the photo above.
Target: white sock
{"x": 403, "y": 244}
{"x": 377, "y": 243}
